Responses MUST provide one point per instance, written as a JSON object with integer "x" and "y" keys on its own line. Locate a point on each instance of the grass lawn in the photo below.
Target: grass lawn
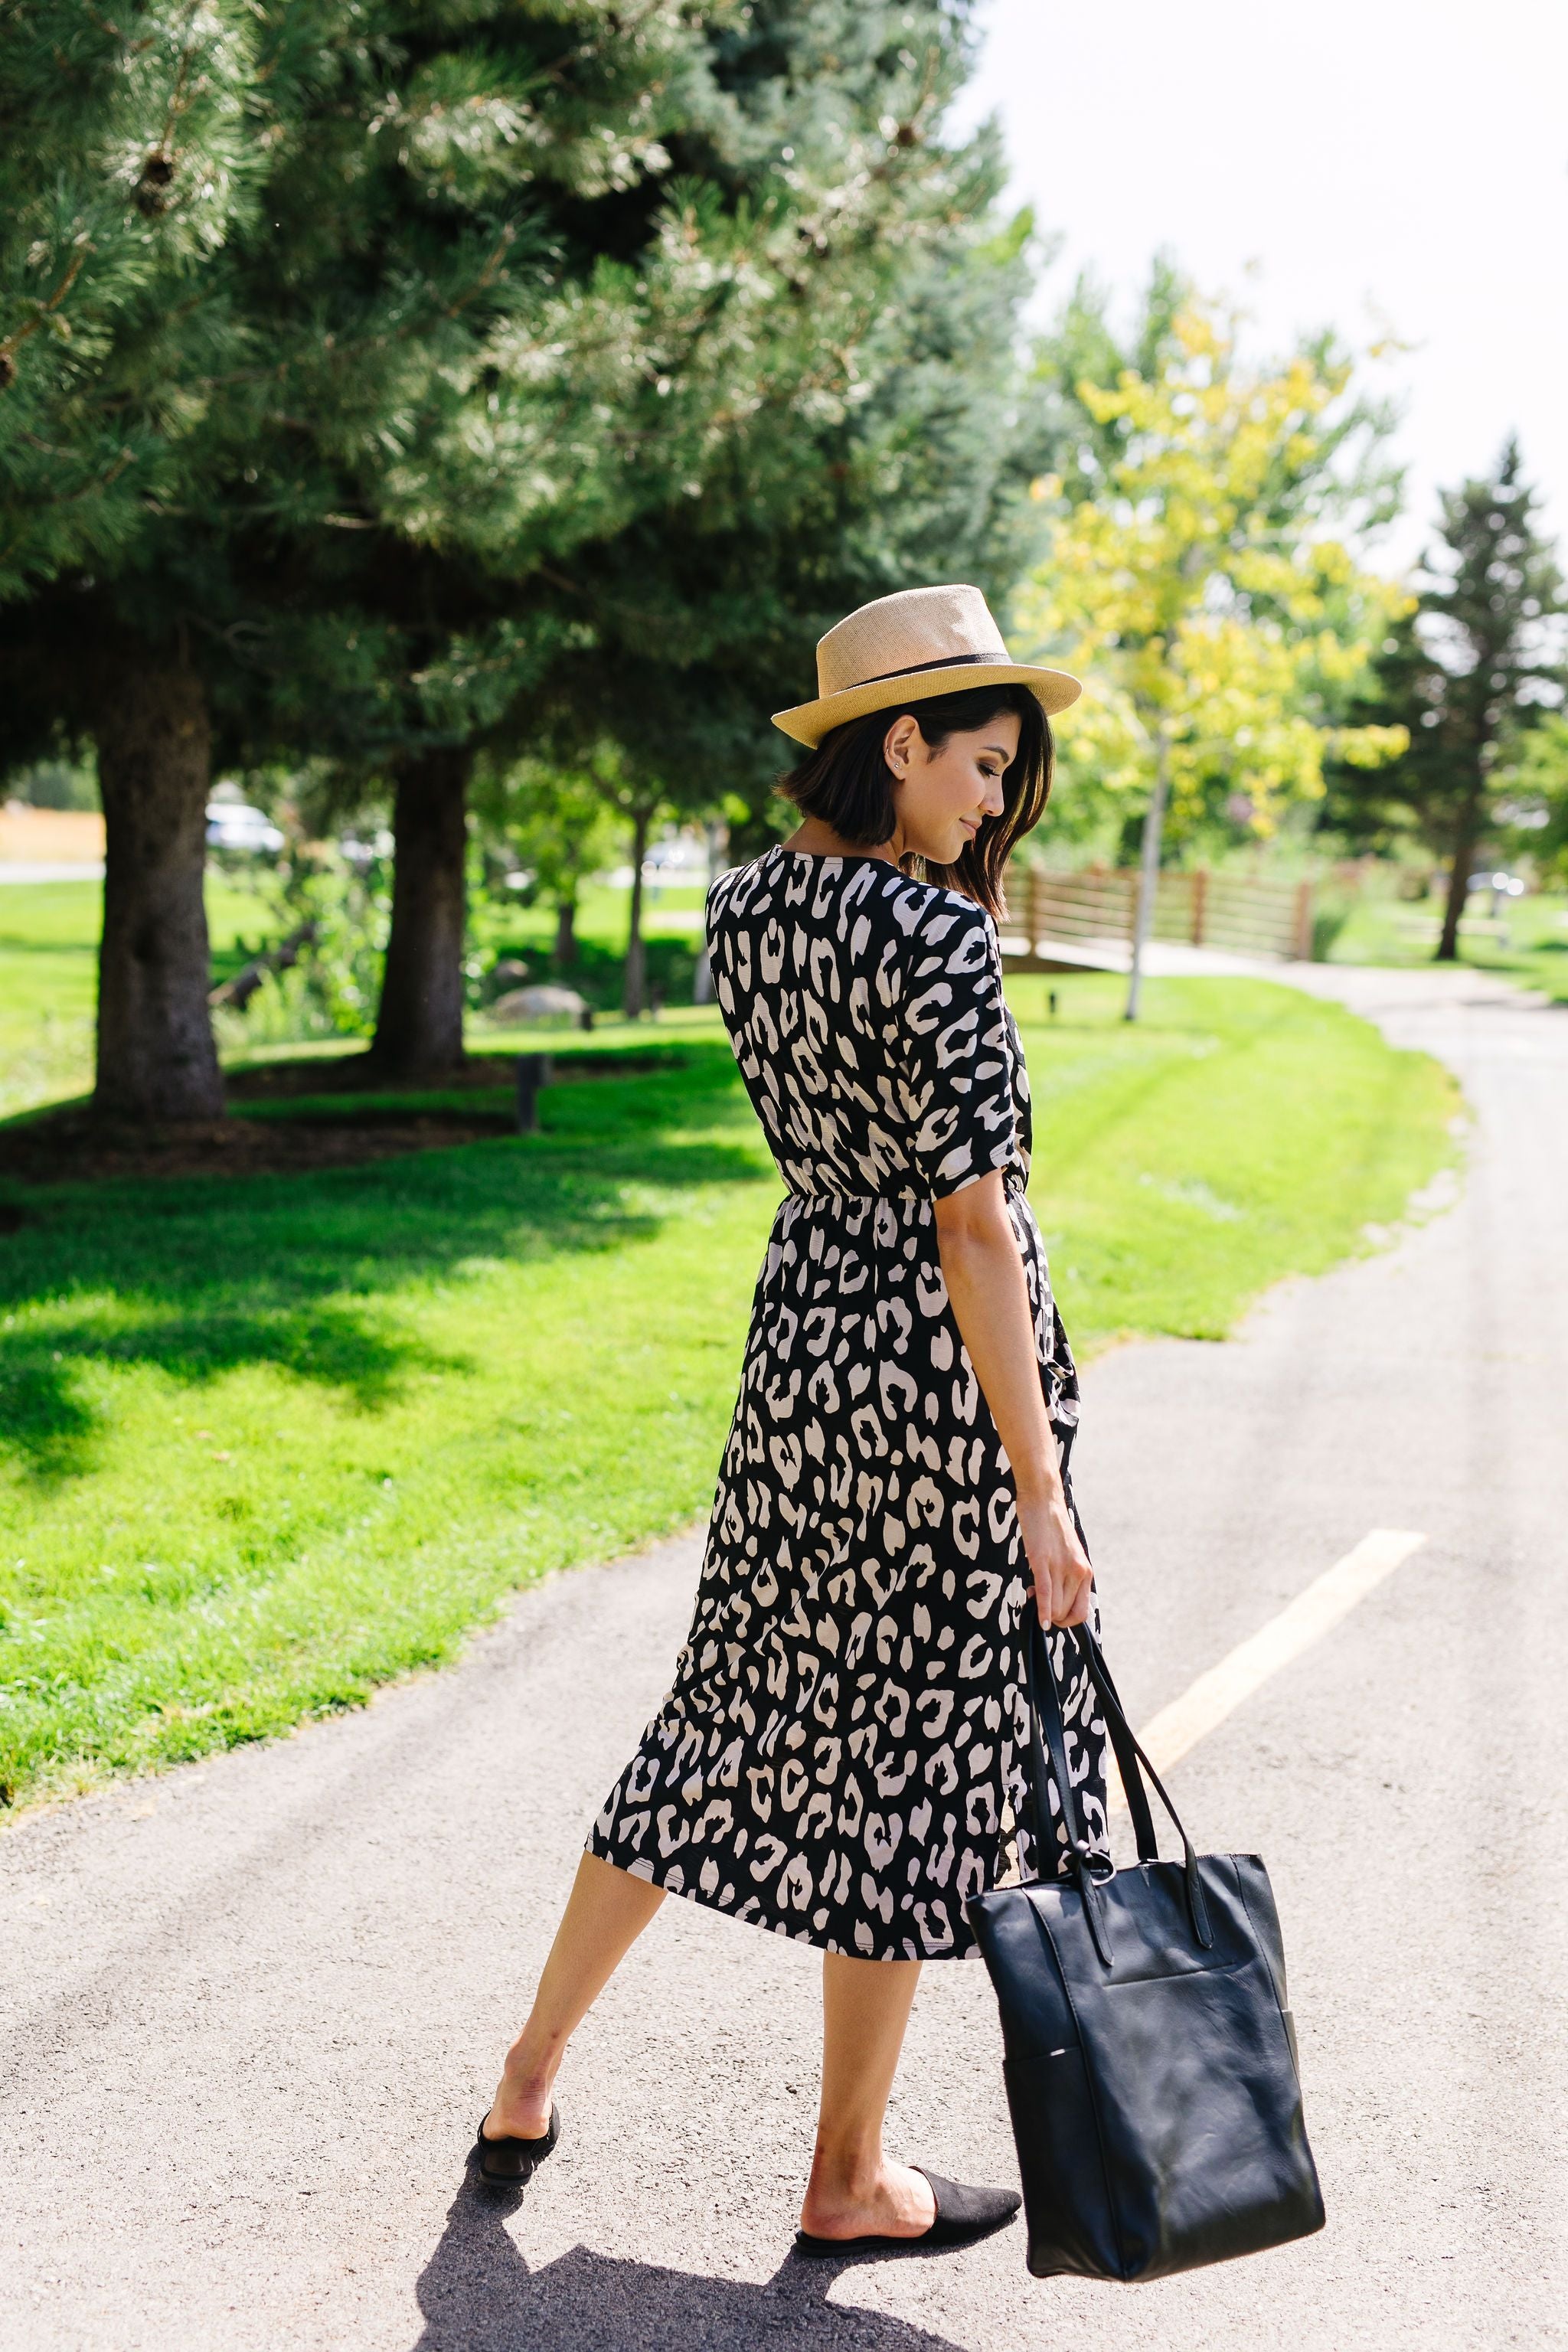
{"x": 48, "y": 963}
{"x": 265, "y": 1442}
{"x": 673, "y": 907}
{"x": 1527, "y": 943}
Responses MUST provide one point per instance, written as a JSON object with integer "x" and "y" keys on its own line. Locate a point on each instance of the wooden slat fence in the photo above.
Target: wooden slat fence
{"x": 1089, "y": 917}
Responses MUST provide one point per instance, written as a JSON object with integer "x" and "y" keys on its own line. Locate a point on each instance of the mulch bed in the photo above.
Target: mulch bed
{"x": 72, "y": 1147}
{"x": 282, "y": 1081}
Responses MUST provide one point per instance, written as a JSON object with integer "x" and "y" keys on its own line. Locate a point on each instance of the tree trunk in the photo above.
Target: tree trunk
{"x": 633, "y": 995}
{"x": 1464, "y": 837}
{"x": 565, "y": 934}
{"x": 156, "y": 1058}
{"x": 419, "y": 1022}
{"x": 1149, "y": 879}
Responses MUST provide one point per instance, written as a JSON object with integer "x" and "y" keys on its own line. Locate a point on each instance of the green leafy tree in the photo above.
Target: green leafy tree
{"x": 1530, "y": 812}
{"x": 1471, "y": 675}
{"x": 1218, "y": 627}
{"x": 554, "y": 826}
{"x": 640, "y": 796}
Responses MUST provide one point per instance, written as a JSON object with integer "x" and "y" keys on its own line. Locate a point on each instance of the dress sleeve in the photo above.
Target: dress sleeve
{"x": 959, "y": 1073}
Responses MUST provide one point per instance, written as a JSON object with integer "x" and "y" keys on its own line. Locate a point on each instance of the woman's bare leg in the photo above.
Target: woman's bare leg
{"x": 854, "y": 2191}
{"x": 607, "y": 1912}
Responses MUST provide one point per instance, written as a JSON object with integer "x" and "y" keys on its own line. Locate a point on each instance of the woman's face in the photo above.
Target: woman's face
{"x": 943, "y": 797}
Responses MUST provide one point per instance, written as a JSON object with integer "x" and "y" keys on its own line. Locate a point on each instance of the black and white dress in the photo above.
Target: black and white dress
{"x": 840, "y": 1756}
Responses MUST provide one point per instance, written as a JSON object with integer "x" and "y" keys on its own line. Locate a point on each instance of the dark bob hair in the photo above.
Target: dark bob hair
{"x": 848, "y": 784}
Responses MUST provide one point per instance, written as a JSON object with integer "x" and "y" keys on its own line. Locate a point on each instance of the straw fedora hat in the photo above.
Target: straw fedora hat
{"x": 907, "y": 647}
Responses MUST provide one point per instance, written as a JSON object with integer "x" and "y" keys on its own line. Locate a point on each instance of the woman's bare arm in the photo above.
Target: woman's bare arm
{"x": 984, "y": 1277}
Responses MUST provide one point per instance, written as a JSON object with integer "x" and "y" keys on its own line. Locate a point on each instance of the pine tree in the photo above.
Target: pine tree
{"x": 752, "y": 367}
{"x": 475, "y": 325}
{"x": 1471, "y": 674}
{"x": 488, "y": 286}
{"x": 704, "y": 616}
{"x": 126, "y": 166}
{"x": 306, "y": 425}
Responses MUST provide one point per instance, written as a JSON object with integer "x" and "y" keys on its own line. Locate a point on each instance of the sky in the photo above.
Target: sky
{"x": 1369, "y": 164}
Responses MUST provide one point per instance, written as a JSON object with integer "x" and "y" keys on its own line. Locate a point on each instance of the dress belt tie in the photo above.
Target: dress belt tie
{"x": 1014, "y": 1184}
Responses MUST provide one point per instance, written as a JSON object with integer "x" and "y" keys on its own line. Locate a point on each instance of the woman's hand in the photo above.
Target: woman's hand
{"x": 1058, "y": 1564}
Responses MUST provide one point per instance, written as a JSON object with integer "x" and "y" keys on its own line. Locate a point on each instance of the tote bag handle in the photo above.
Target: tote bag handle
{"x": 1048, "y": 1732}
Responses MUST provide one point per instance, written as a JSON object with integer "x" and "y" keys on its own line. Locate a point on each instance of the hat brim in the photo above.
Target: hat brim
{"x": 808, "y": 722}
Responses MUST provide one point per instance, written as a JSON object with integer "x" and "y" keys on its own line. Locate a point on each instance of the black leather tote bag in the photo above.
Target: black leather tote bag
{"x": 1150, "y": 2056}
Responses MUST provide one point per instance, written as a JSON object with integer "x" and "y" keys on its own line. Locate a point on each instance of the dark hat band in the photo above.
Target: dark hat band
{"x": 945, "y": 661}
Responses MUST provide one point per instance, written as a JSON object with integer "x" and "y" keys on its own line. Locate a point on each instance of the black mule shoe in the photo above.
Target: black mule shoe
{"x": 511, "y": 2163}
{"x": 962, "y": 2216}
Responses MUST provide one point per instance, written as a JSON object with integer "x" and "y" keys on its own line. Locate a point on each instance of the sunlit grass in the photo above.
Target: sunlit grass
{"x": 1526, "y": 942}
{"x": 48, "y": 966}
{"x": 265, "y": 1442}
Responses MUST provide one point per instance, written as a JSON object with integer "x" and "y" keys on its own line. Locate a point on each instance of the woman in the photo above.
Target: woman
{"x": 842, "y": 1756}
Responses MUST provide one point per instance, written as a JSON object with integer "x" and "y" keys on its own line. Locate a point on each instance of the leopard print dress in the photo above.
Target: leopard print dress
{"x": 840, "y": 1758}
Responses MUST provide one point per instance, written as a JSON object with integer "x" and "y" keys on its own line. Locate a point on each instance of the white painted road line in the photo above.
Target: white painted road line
{"x": 1205, "y": 1704}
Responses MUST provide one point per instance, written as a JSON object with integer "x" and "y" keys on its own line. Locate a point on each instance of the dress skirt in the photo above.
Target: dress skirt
{"x": 841, "y": 1757}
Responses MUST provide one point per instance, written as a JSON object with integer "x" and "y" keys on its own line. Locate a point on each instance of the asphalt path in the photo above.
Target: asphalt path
{"x": 252, "y": 2009}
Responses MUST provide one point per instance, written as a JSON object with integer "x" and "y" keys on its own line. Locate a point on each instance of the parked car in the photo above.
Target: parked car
{"x": 234, "y": 824}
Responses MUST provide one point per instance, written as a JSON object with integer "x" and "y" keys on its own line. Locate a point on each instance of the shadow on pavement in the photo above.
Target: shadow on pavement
{"x": 478, "y": 2295}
